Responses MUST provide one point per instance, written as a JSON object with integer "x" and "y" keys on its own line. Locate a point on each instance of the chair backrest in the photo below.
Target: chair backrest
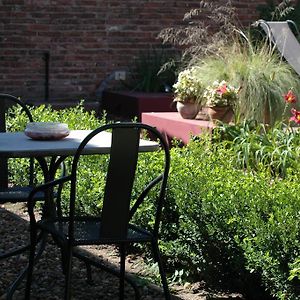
{"x": 281, "y": 34}
{"x": 118, "y": 205}
{"x": 7, "y": 101}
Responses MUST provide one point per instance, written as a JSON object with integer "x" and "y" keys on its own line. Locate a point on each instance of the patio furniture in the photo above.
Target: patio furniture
{"x": 115, "y": 226}
{"x": 18, "y": 145}
{"x": 14, "y": 194}
{"x": 285, "y": 36}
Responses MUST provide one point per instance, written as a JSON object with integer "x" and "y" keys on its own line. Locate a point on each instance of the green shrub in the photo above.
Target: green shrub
{"x": 75, "y": 117}
{"x": 232, "y": 220}
{"x": 256, "y": 146}
{"x": 223, "y": 221}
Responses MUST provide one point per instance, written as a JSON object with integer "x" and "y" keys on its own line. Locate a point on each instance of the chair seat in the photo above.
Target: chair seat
{"x": 87, "y": 231}
{"x": 18, "y": 194}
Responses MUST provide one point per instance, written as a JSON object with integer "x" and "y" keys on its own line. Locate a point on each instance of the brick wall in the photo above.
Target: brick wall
{"x": 86, "y": 40}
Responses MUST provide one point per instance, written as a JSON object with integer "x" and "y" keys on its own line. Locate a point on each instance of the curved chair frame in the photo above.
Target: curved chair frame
{"x": 114, "y": 225}
{"x": 19, "y": 194}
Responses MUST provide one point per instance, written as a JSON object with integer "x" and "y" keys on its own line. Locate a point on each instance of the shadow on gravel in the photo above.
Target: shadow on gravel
{"x": 48, "y": 277}
{"x": 48, "y": 282}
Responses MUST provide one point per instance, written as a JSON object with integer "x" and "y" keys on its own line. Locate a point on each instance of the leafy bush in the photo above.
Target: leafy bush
{"x": 148, "y": 74}
{"x": 223, "y": 221}
{"x": 232, "y": 222}
{"x": 75, "y": 117}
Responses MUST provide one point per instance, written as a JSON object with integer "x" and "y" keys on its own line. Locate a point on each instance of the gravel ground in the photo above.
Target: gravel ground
{"x": 48, "y": 280}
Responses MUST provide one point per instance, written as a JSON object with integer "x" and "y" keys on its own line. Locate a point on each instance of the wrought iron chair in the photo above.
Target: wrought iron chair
{"x": 8, "y": 193}
{"x": 114, "y": 224}
{"x": 15, "y": 193}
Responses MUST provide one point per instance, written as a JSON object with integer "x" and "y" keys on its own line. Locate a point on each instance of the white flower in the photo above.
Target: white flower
{"x": 188, "y": 87}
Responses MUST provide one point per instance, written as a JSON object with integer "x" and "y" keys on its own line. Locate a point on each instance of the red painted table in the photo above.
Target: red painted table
{"x": 172, "y": 125}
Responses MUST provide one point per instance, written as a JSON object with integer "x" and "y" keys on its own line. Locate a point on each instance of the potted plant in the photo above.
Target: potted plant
{"x": 188, "y": 93}
{"x": 221, "y": 99}
{"x": 236, "y": 55}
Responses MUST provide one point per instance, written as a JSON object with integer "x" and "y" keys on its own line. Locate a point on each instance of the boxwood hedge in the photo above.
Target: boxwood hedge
{"x": 223, "y": 221}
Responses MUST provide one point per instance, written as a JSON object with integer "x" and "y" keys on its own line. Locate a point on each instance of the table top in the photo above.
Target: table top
{"x": 17, "y": 144}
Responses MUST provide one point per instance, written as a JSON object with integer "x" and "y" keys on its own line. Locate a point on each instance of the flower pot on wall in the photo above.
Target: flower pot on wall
{"x": 220, "y": 113}
{"x": 187, "y": 110}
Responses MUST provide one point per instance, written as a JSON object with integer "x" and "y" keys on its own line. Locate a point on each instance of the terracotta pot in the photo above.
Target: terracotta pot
{"x": 221, "y": 113}
{"x": 188, "y": 110}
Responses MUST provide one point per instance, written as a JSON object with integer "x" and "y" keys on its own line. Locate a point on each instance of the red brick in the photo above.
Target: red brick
{"x": 86, "y": 40}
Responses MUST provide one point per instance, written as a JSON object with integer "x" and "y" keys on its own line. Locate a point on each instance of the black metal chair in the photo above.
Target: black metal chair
{"x": 12, "y": 193}
{"x": 114, "y": 225}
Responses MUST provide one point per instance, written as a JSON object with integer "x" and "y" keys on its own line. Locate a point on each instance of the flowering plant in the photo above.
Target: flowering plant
{"x": 220, "y": 94}
{"x": 296, "y": 116}
{"x": 290, "y": 97}
{"x": 188, "y": 87}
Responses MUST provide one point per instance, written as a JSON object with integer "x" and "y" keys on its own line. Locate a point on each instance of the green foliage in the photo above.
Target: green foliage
{"x": 229, "y": 216}
{"x": 285, "y": 10}
{"x": 234, "y": 223}
{"x": 213, "y": 41}
{"x": 75, "y": 117}
{"x": 258, "y": 147}
{"x": 149, "y": 74}
{"x": 262, "y": 76}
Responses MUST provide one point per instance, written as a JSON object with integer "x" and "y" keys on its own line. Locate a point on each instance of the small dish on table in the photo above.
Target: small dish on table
{"x": 46, "y": 130}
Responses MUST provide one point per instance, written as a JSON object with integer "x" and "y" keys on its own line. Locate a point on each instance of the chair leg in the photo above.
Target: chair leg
{"x": 89, "y": 277}
{"x": 122, "y": 271}
{"x": 14, "y": 252}
{"x": 63, "y": 260}
{"x": 33, "y": 243}
{"x": 161, "y": 270}
{"x": 68, "y": 270}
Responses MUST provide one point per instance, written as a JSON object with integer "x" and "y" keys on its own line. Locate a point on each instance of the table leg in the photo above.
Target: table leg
{"x": 49, "y": 171}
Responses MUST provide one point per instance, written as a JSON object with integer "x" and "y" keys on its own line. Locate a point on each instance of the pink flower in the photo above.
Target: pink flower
{"x": 290, "y": 97}
{"x": 222, "y": 89}
{"x": 296, "y": 116}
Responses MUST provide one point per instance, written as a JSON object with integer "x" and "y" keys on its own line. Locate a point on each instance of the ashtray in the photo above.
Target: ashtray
{"x": 46, "y": 130}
